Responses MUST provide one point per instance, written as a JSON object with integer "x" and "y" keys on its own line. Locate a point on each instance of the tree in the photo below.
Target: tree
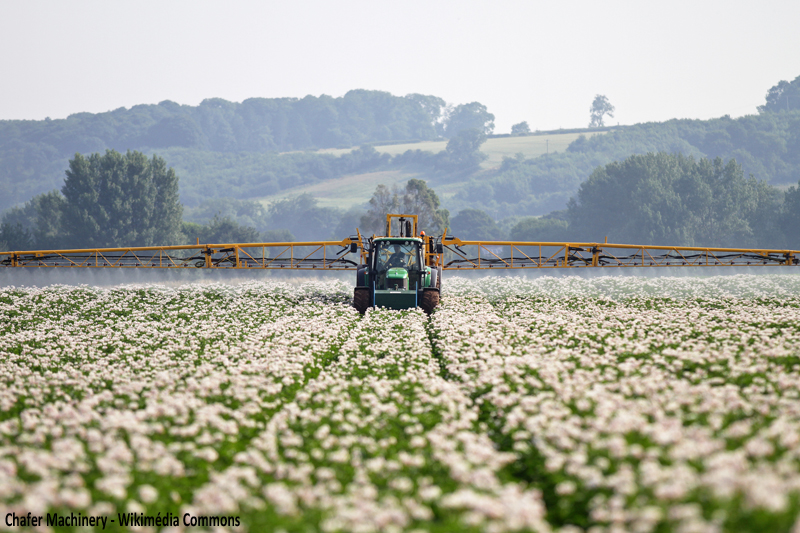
{"x": 362, "y": 159}
{"x": 600, "y": 107}
{"x": 348, "y": 222}
{"x": 303, "y": 217}
{"x": 384, "y": 200}
{"x": 221, "y": 230}
{"x": 421, "y": 200}
{"x": 15, "y": 237}
{"x": 469, "y": 116}
{"x": 415, "y": 199}
{"x": 121, "y": 200}
{"x": 475, "y": 224}
{"x": 432, "y": 105}
{"x": 542, "y": 229}
{"x": 176, "y": 130}
{"x": 36, "y": 225}
{"x": 463, "y": 151}
{"x": 244, "y": 212}
{"x": 520, "y": 129}
{"x": 790, "y": 216}
{"x": 785, "y": 96}
{"x": 669, "y": 199}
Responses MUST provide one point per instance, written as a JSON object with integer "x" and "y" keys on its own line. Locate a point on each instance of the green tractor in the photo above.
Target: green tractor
{"x": 399, "y": 272}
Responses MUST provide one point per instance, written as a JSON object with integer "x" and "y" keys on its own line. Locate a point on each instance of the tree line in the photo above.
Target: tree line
{"x": 228, "y": 153}
{"x": 114, "y": 200}
{"x": 253, "y": 175}
{"x": 659, "y": 198}
{"x": 103, "y": 194}
{"x": 34, "y": 154}
{"x": 656, "y": 198}
{"x": 106, "y": 199}
{"x": 117, "y": 200}
{"x": 765, "y": 146}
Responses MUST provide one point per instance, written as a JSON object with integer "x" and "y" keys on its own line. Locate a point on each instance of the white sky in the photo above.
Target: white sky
{"x": 525, "y": 60}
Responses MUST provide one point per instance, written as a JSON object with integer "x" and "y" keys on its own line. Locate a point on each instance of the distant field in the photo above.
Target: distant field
{"x": 346, "y": 192}
{"x": 530, "y": 146}
{"x": 350, "y": 191}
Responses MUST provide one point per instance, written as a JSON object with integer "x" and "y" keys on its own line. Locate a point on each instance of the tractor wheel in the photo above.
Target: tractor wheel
{"x": 429, "y": 300}
{"x": 361, "y": 299}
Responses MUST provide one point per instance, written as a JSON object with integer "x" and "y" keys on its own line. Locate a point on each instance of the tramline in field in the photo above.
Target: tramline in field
{"x": 401, "y": 269}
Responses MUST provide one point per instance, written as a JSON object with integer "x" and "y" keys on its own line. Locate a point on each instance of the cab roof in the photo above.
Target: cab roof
{"x": 397, "y": 239}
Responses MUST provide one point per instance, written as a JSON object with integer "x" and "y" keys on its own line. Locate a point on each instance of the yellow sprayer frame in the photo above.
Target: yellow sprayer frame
{"x": 401, "y": 218}
{"x": 535, "y": 254}
{"x": 314, "y": 255}
{"x": 447, "y": 252}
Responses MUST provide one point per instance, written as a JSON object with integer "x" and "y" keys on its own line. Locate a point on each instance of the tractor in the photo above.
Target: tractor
{"x": 399, "y": 272}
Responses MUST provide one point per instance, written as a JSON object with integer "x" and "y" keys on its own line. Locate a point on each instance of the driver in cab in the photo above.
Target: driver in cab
{"x": 397, "y": 259}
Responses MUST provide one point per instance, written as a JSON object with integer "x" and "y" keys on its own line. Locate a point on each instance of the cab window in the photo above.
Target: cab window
{"x": 396, "y": 255}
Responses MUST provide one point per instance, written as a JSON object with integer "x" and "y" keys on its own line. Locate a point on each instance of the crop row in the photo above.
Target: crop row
{"x": 608, "y": 404}
{"x": 639, "y": 413}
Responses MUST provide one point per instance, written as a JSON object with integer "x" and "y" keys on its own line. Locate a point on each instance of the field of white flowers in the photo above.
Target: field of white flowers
{"x": 549, "y": 404}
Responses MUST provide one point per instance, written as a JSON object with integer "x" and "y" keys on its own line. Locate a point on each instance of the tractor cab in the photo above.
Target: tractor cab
{"x": 396, "y": 275}
{"x": 397, "y": 263}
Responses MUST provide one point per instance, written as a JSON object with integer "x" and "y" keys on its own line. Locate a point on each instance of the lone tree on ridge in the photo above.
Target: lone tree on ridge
{"x": 600, "y": 107}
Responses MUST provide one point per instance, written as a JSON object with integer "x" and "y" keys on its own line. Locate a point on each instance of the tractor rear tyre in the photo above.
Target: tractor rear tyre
{"x": 361, "y": 299}
{"x": 429, "y": 301}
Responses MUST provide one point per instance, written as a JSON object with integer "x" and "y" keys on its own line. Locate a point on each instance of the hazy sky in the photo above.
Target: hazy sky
{"x": 542, "y": 62}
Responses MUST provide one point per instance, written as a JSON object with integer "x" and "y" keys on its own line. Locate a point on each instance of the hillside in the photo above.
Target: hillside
{"x": 507, "y": 184}
{"x": 355, "y": 190}
{"x": 495, "y": 147}
{"x": 273, "y": 149}
{"x": 34, "y": 153}
{"x": 767, "y": 146}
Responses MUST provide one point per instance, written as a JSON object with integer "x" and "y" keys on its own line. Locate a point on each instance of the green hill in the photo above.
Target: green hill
{"x": 34, "y": 153}
{"x": 355, "y": 190}
{"x": 272, "y": 149}
{"x": 496, "y": 148}
{"x": 534, "y": 183}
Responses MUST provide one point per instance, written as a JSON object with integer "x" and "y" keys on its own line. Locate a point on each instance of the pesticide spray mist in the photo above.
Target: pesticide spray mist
{"x": 111, "y": 277}
{"x": 107, "y": 277}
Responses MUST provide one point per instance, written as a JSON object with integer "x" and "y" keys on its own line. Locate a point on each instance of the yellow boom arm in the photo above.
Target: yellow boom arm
{"x": 451, "y": 253}
{"x": 474, "y": 255}
{"x": 317, "y": 255}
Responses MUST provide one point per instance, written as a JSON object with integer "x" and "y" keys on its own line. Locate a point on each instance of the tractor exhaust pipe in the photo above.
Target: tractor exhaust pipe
{"x": 403, "y": 227}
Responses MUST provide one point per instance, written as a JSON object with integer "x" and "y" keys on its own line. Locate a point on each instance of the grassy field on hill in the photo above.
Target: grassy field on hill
{"x": 353, "y": 190}
{"x": 530, "y": 146}
{"x": 345, "y": 192}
